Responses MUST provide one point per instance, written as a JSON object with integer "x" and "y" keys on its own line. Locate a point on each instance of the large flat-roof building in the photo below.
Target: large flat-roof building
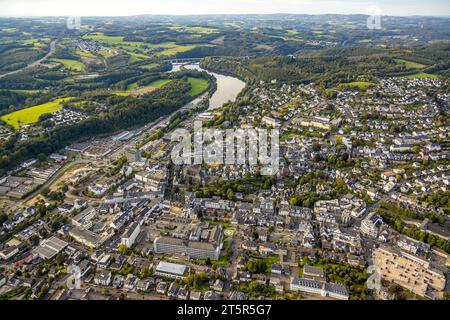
{"x": 193, "y": 249}
{"x": 86, "y": 237}
{"x": 314, "y": 273}
{"x": 410, "y": 272}
{"x": 50, "y": 248}
{"x": 324, "y": 289}
{"x": 130, "y": 235}
{"x": 170, "y": 270}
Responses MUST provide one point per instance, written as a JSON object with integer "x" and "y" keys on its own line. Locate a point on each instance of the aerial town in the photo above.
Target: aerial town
{"x": 93, "y": 207}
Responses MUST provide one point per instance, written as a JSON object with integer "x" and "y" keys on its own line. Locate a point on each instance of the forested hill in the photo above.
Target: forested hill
{"x": 338, "y": 65}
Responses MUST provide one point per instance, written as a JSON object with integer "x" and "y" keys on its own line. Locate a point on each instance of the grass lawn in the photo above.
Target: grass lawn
{"x": 359, "y": 84}
{"x": 198, "y": 86}
{"x": 133, "y": 88}
{"x": 102, "y": 38}
{"x": 191, "y": 29}
{"x": 410, "y": 64}
{"x": 84, "y": 54}
{"x": 105, "y": 54}
{"x": 134, "y": 57}
{"x": 149, "y": 66}
{"x": 71, "y": 64}
{"x": 422, "y": 76}
{"x": 172, "y": 49}
{"x": 159, "y": 83}
{"x": 25, "y": 91}
{"x": 31, "y": 115}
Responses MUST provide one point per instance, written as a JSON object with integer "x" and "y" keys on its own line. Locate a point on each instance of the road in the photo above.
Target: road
{"x": 33, "y": 64}
{"x": 53, "y": 178}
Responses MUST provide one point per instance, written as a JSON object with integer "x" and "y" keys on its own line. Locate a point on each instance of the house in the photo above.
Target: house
{"x": 103, "y": 278}
{"x": 183, "y": 293}
{"x": 218, "y": 285}
{"x": 8, "y": 252}
{"x": 118, "y": 281}
{"x": 237, "y": 295}
{"x": 211, "y": 295}
{"x": 276, "y": 269}
{"x": 85, "y": 267}
{"x": 130, "y": 282}
{"x": 250, "y": 245}
{"x": 173, "y": 290}
{"x": 161, "y": 287}
{"x": 371, "y": 225}
{"x": 195, "y": 295}
{"x": 2, "y": 280}
{"x": 267, "y": 249}
{"x": 263, "y": 234}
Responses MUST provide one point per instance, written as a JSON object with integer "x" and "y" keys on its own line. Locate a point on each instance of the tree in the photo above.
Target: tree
{"x": 42, "y": 158}
{"x": 230, "y": 194}
{"x": 122, "y": 248}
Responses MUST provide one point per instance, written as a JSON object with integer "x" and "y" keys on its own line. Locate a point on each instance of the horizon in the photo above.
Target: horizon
{"x": 116, "y": 8}
{"x": 223, "y": 14}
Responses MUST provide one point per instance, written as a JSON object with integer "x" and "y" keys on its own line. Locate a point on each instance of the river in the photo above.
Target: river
{"x": 228, "y": 88}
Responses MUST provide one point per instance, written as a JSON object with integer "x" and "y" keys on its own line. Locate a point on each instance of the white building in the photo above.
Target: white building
{"x": 130, "y": 235}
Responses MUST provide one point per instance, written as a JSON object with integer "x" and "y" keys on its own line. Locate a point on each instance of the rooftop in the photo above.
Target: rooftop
{"x": 171, "y": 268}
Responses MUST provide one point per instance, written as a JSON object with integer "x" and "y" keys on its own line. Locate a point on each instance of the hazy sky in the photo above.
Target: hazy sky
{"x": 133, "y": 7}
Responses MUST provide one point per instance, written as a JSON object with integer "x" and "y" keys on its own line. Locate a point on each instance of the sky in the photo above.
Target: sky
{"x": 179, "y": 7}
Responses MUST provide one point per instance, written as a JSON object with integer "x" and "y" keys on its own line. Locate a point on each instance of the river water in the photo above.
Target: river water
{"x": 228, "y": 88}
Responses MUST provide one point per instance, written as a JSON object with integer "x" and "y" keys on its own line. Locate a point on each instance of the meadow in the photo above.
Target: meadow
{"x": 71, "y": 64}
{"x": 31, "y": 115}
{"x": 198, "y": 85}
{"x": 410, "y": 64}
{"x": 361, "y": 85}
{"x": 133, "y": 88}
{"x": 422, "y": 76}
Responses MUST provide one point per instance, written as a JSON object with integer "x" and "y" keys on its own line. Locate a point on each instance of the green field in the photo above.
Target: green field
{"x": 105, "y": 54}
{"x": 71, "y": 64}
{"x": 84, "y": 54}
{"x": 25, "y": 91}
{"x": 173, "y": 49}
{"x": 410, "y": 64}
{"x": 31, "y": 115}
{"x": 149, "y": 66}
{"x": 191, "y": 29}
{"x": 422, "y": 76}
{"x": 198, "y": 86}
{"x": 362, "y": 85}
{"x": 134, "y": 57}
{"x": 133, "y": 88}
{"x": 43, "y": 42}
{"x": 102, "y": 38}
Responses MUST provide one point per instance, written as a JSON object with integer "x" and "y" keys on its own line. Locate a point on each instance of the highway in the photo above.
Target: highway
{"x": 35, "y": 63}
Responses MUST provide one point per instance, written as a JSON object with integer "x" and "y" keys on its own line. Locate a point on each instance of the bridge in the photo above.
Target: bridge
{"x": 190, "y": 60}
